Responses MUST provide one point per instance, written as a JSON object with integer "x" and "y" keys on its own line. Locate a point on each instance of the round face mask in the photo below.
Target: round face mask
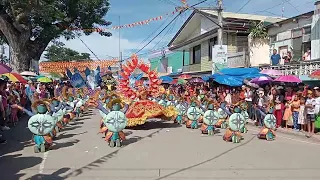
{"x": 42, "y": 109}
{"x": 210, "y": 117}
{"x": 236, "y": 122}
{"x": 115, "y": 121}
{"x": 41, "y": 124}
{"x": 270, "y": 121}
{"x": 193, "y": 113}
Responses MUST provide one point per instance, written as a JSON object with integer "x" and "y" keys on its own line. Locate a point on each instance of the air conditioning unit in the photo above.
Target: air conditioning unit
{"x": 169, "y": 70}
{"x": 179, "y": 70}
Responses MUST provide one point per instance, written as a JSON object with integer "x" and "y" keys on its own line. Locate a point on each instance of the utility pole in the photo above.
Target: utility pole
{"x": 220, "y": 33}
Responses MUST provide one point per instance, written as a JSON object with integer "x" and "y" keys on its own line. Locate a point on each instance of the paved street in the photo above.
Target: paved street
{"x": 159, "y": 150}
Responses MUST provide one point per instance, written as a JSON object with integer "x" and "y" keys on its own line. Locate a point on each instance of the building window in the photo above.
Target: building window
{"x": 307, "y": 30}
{"x": 273, "y": 39}
{"x": 212, "y": 42}
{"x": 196, "y": 59}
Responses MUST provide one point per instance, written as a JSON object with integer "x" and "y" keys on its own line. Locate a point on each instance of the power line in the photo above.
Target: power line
{"x": 288, "y": 1}
{"x": 244, "y": 5}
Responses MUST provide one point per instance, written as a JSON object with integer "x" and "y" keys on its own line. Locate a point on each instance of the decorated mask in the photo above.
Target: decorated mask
{"x": 115, "y": 121}
{"x": 41, "y": 124}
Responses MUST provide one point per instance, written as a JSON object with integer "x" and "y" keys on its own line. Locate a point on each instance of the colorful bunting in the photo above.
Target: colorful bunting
{"x": 60, "y": 67}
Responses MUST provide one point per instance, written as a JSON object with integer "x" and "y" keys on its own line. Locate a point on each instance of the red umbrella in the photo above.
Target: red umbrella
{"x": 315, "y": 74}
{"x": 175, "y": 81}
{"x": 185, "y": 76}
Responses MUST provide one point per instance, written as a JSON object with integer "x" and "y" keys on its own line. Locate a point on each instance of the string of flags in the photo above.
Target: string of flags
{"x": 131, "y": 25}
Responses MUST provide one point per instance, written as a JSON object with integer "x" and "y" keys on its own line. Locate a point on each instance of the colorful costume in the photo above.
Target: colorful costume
{"x": 194, "y": 115}
{"x": 143, "y": 108}
{"x": 182, "y": 108}
{"x": 236, "y": 123}
{"x": 267, "y": 132}
{"x": 41, "y": 125}
{"x": 244, "y": 113}
{"x": 222, "y": 123}
{"x": 115, "y": 121}
{"x": 210, "y": 118}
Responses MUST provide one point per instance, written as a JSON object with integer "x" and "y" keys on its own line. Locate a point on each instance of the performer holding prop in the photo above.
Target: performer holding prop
{"x": 193, "y": 114}
{"x": 40, "y": 124}
{"x": 244, "y": 113}
{"x": 115, "y": 121}
{"x": 182, "y": 111}
{"x": 210, "y": 118}
{"x": 267, "y": 131}
{"x": 236, "y": 123}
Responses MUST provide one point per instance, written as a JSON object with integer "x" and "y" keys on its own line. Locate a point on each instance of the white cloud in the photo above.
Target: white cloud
{"x": 103, "y": 47}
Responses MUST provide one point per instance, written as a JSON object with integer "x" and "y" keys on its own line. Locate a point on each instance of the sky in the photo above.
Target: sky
{"x": 132, "y": 39}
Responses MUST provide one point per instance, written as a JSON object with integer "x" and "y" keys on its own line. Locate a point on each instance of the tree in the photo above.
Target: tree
{"x": 60, "y": 53}
{"x": 28, "y": 26}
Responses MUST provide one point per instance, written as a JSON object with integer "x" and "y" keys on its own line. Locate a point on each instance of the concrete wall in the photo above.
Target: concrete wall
{"x": 259, "y": 51}
{"x": 315, "y": 35}
{"x": 301, "y": 22}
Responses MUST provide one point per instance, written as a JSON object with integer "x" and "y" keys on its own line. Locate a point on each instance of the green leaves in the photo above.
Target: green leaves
{"x": 258, "y": 30}
{"x": 59, "y": 53}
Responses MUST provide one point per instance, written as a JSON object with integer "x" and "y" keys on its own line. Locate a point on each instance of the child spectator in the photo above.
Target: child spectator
{"x": 310, "y": 105}
{"x": 302, "y": 114}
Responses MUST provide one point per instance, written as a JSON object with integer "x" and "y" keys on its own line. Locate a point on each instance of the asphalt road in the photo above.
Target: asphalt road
{"x": 158, "y": 150}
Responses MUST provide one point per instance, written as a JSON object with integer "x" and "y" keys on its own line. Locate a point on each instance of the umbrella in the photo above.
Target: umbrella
{"x": 175, "y": 81}
{"x": 28, "y": 73}
{"x": 185, "y": 76}
{"x": 272, "y": 72}
{"x": 166, "y": 79}
{"x": 44, "y": 80}
{"x": 254, "y": 85}
{"x": 15, "y": 77}
{"x": 205, "y": 78}
{"x": 197, "y": 80}
{"x": 261, "y": 80}
{"x": 315, "y": 75}
{"x": 4, "y": 68}
{"x": 181, "y": 81}
{"x": 40, "y": 76}
{"x": 288, "y": 79}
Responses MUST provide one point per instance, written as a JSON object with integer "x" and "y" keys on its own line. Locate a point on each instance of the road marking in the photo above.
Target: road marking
{"x": 297, "y": 140}
{"x": 44, "y": 158}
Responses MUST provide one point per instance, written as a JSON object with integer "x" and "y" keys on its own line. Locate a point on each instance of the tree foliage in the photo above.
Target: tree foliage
{"x": 59, "y": 53}
{"x": 258, "y": 30}
{"x": 29, "y": 25}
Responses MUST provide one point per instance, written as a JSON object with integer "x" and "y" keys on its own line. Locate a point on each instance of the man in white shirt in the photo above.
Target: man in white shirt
{"x": 248, "y": 98}
{"x": 311, "y": 105}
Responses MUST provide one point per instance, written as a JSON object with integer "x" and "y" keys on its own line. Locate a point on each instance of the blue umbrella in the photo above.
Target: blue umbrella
{"x": 205, "y": 78}
{"x": 166, "y": 79}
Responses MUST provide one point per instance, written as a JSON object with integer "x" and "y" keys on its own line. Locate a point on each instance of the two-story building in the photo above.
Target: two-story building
{"x": 295, "y": 36}
{"x": 198, "y": 35}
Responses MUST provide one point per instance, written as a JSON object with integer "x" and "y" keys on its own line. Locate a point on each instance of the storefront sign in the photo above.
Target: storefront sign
{"x": 219, "y": 57}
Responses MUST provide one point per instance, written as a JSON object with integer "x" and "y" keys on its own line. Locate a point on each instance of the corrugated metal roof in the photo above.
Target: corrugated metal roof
{"x": 245, "y": 16}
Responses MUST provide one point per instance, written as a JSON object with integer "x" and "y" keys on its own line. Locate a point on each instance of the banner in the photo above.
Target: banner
{"x": 219, "y": 57}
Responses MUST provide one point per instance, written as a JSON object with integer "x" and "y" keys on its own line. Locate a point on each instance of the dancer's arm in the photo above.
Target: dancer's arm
{"x": 29, "y": 113}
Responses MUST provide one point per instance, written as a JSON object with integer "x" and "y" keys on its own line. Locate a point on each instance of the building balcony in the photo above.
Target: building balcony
{"x": 297, "y": 68}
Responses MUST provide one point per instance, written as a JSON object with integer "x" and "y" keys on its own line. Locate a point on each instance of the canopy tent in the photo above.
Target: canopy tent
{"x": 235, "y": 76}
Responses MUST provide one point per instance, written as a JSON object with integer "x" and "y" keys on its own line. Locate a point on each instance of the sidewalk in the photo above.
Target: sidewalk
{"x": 288, "y": 131}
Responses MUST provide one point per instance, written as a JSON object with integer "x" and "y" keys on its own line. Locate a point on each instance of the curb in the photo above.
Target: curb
{"x": 287, "y": 131}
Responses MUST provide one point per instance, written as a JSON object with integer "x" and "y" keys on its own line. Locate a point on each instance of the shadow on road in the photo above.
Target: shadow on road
{"x": 53, "y": 176}
{"x": 18, "y": 138}
{"x": 57, "y": 146}
{"x": 11, "y": 165}
{"x": 66, "y": 136}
